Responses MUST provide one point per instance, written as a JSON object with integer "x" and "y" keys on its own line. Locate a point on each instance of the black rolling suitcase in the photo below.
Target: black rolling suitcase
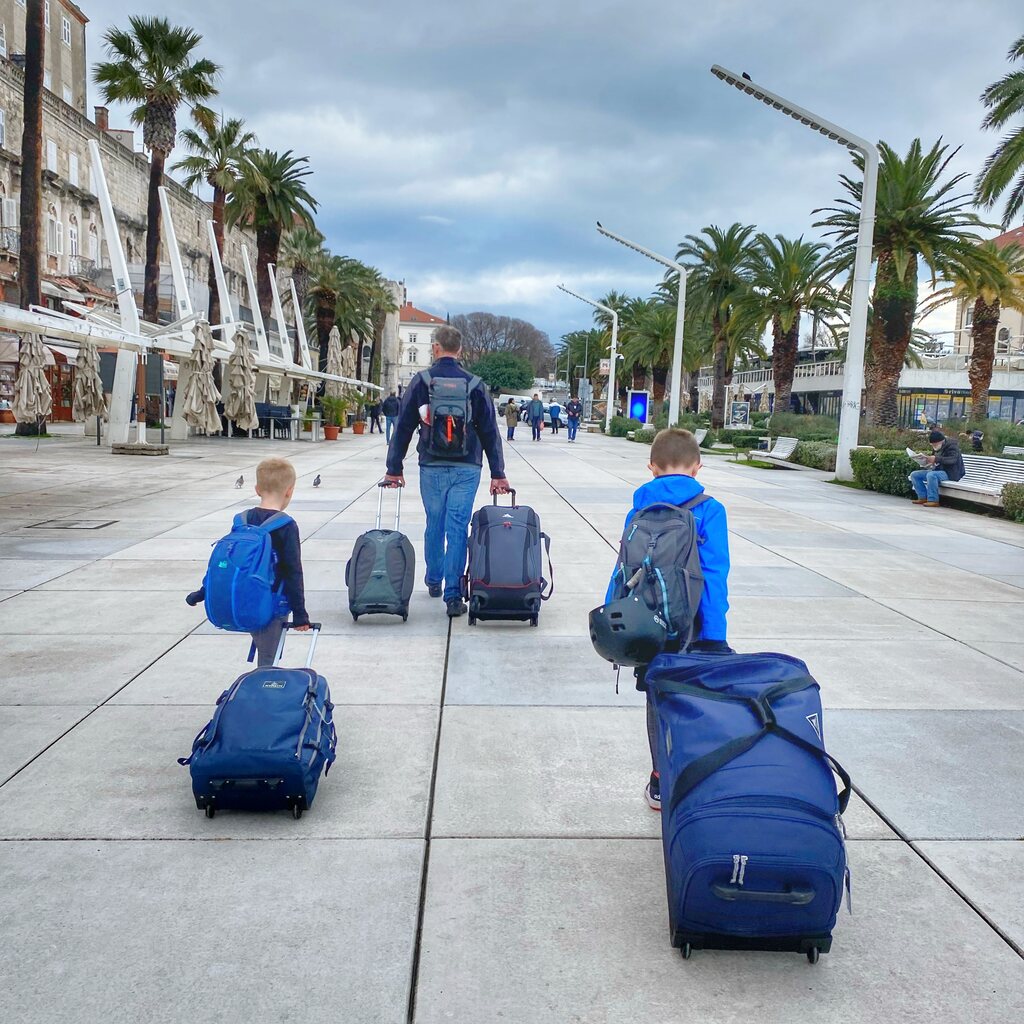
{"x": 504, "y": 578}
{"x": 381, "y": 572}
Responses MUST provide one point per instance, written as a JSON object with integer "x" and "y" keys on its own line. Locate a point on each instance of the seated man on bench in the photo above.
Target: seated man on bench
{"x": 945, "y": 464}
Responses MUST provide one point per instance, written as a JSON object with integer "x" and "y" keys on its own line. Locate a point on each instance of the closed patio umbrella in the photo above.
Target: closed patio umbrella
{"x": 88, "y": 400}
{"x": 201, "y": 395}
{"x": 334, "y": 388}
{"x": 33, "y": 400}
{"x": 240, "y": 405}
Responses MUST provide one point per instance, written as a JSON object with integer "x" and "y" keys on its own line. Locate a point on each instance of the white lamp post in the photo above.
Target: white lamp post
{"x": 610, "y": 399}
{"x": 853, "y": 374}
{"x": 677, "y": 351}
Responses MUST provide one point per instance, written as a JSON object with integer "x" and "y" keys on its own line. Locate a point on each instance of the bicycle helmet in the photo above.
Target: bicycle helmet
{"x": 626, "y": 632}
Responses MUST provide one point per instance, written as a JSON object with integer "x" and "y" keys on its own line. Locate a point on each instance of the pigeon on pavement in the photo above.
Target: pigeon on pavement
{"x": 316, "y": 480}
{"x": 239, "y": 482}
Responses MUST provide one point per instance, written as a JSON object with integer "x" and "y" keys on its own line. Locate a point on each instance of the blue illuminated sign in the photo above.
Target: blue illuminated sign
{"x": 638, "y": 404}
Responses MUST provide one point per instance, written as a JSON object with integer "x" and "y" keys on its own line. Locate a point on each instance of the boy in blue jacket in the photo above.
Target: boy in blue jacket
{"x": 675, "y": 461}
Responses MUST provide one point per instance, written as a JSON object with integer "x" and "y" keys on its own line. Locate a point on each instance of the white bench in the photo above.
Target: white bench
{"x": 984, "y": 478}
{"x": 780, "y": 453}
{"x": 1012, "y": 449}
{"x": 702, "y": 432}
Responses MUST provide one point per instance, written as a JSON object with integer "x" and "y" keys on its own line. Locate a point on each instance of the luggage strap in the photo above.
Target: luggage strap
{"x": 704, "y": 767}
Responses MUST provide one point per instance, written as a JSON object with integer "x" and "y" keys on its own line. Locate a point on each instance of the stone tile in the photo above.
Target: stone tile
{"x": 989, "y": 875}
{"x": 1010, "y": 653}
{"x": 5, "y": 594}
{"x": 500, "y": 944}
{"x": 222, "y": 912}
{"x": 965, "y": 620}
{"x": 942, "y": 584}
{"x": 132, "y": 576}
{"x": 359, "y": 669}
{"x": 74, "y": 668}
{"x": 160, "y": 549}
{"x": 489, "y": 668}
{"x": 522, "y": 752}
{"x": 816, "y": 618}
{"x": 25, "y": 731}
{"x": 116, "y": 613}
{"x": 24, "y": 574}
{"x": 29, "y": 546}
{"x": 588, "y": 578}
{"x": 1012, "y": 580}
{"x": 943, "y": 675}
{"x": 863, "y": 823}
{"x": 931, "y": 772}
{"x": 782, "y": 581}
{"x": 116, "y": 777}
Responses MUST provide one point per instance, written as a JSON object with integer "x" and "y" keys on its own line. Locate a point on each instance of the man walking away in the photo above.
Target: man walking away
{"x": 457, "y": 425}
{"x": 536, "y": 414}
{"x": 574, "y": 412}
{"x": 556, "y": 417}
{"x": 390, "y": 407}
{"x": 946, "y": 464}
{"x": 374, "y": 411}
{"x": 511, "y": 418}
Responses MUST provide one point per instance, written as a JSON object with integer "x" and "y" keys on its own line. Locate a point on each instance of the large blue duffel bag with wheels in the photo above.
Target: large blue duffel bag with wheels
{"x": 753, "y": 838}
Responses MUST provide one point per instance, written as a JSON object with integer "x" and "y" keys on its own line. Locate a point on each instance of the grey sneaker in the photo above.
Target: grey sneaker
{"x": 434, "y": 589}
{"x": 456, "y": 607}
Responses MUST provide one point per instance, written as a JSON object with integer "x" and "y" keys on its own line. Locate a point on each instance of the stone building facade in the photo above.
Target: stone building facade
{"x": 415, "y": 336}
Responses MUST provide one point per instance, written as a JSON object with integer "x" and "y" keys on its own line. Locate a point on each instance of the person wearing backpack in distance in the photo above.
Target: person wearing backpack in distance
{"x": 675, "y": 462}
{"x": 457, "y": 425}
{"x": 275, "y": 485}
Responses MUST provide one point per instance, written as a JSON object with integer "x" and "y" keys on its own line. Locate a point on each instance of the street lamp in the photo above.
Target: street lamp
{"x": 677, "y": 351}
{"x": 853, "y": 374}
{"x": 610, "y": 400}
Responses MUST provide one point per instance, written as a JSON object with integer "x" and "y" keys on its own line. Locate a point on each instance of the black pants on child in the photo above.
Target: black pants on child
{"x": 267, "y": 641}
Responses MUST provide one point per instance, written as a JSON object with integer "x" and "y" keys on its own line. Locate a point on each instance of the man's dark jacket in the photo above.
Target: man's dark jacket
{"x": 481, "y": 433}
{"x": 391, "y": 406}
{"x": 948, "y": 457}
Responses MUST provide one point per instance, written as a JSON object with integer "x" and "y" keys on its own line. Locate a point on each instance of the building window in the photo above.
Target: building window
{"x": 3, "y": 40}
{"x": 73, "y": 240}
{"x": 67, "y": 94}
{"x": 54, "y": 233}
{"x": 969, "y": 318}
{"x": 73, "y": 169}
{"x": 51, "y": 155}
{"x": 9, "y": 212}
{"x": 65, "y": 30}
{"x": 412, "y": 339}
{"x": 412, "y": 355}
{"x": 46, "y": 12}
{"x": 94, "y": 244}
{"x": 48, "y": 79}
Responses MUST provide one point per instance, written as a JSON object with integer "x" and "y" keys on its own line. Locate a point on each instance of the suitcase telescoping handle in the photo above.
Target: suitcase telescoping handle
{"x": 314, "y": 634}
{"x": 381, "y": 488}
{"x": 511, "y": 491}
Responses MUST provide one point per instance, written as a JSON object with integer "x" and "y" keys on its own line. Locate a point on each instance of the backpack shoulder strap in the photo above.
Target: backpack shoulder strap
{"x": 424, "y": 375}
{"x": 694, "y": 502}
{"x": 473, "y": 384}
{"x": 276, "y": 521}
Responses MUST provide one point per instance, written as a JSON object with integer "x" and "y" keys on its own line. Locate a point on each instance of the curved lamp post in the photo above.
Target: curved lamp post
{"x": 610, "y": 399}
{"x": 853, "y": 373}
{"x": 677, "y": 351}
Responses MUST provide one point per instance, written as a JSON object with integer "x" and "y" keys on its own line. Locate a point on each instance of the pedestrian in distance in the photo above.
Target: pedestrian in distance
{"x": 536, "y": 414}
{"x": 556, "y": 416}
{"x": 390, "y": 407}
{"x": 574, "y": 413}
{"x": 675, "y": 462}
{"x": 373, "y": 411}
{"x": 945, "y": 463}
{"x": 511, "y": 418}
{"x": 455, "y": 418}
{"x": 275, "y": 485}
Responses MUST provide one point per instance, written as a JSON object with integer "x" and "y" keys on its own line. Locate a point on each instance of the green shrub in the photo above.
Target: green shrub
{"x": 739, "y": 438}
{"x": 804, "y": 427}
{"x": 1013, "y": 501}
{"x": 998, "y": 433}
{"x": 816, "y": 454}
{"x": 893, "y": 437}
{"x": 883, "y": 471}
{"x": 621, "y": 426}
{"x": 645, "y": 436}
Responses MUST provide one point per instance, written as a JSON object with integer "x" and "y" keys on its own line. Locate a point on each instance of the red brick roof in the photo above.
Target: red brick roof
{"x": 1013, "y": 235}
{"x": 409, "y": 314}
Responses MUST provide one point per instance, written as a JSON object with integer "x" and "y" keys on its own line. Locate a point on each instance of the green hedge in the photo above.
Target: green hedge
{"x": 621, "y": 426}
{"x": 804, "y": 427}
{"x": 1013, "y": 501}
{"x": 645, "y": 436}
{"x": 740, "y": 438}
{"x": 883, "y": 471}
{"x": 816, "y": 454}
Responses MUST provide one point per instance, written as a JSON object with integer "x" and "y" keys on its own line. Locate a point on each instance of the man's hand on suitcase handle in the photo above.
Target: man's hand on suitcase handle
{"x": 393, "y": 481}
{"x": 500, "y": 486}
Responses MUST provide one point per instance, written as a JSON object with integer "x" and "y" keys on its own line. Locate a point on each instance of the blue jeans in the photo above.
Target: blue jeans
{"x": 538, "y": 426}
{"x": 389, "y": 423}
{"x": 512, "y": 432}
{"x": 448, "y": 494}
{"x": 574, "y": 425}
{"x": 926, "y": 483}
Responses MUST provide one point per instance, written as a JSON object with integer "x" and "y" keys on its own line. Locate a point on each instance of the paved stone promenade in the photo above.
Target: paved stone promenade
{"x": 481, "y": 851}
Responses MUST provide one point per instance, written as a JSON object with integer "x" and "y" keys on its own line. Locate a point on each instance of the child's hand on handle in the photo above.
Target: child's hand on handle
{"x": 301, "y": 629}
{"x": 393, "y": 481}
{"x": 500, "y": 486}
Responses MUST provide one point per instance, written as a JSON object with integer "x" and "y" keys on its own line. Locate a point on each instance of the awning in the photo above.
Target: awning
{"x": 70, "y": 355}
{"x": 56, "y": 291}
{"x": 9, "y": 352}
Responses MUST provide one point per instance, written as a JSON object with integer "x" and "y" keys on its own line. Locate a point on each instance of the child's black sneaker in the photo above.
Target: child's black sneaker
{"x": 652, "y": 792}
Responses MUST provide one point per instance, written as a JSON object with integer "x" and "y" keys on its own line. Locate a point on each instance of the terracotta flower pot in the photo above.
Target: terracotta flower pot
{"x": 331, "y": 432}
{"x": 359, "y": 426}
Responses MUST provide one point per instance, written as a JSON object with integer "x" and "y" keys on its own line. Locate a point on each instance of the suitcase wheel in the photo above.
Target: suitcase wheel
{"x": 534, "y": 620}
{"x": 210, "y": 810}
{"x": 472, "y": 620}
{"x": 812, "y": 955}
{"x": 687, "y": 951}
{"x": 355, "y": 618}
{"x": 405, "y": 617}
{"x": 296, "y": 811}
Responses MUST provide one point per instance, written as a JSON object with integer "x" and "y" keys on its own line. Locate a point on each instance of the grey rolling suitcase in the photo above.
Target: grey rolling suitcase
{"x": 381, "y": 572}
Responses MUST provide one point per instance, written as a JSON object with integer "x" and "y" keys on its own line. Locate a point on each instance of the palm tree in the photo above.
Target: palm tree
{"x": 153, "y": 67}
{"x": 1005, "y": 101}
{"x": 648, "y": 341}
{"x": 919, "y": 218}
{"x": 718, "y": 272}
{"x": 787, "y": 276}
{"x": 301, "y": 248}
{"x": 996, "y": 286}
{"x": 271, "y": 196}
{"x": 218, "y": 151}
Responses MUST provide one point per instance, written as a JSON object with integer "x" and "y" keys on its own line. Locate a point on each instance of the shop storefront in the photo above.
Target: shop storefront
{"x": 938, "y": 406}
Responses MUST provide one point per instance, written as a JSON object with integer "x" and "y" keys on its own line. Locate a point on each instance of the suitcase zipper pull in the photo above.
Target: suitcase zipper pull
{"x": 743, "y": 867}
{"x": 735, "y": 869}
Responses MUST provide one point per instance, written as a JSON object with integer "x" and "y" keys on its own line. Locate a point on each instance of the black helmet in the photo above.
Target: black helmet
{"x": 627, "y": 632}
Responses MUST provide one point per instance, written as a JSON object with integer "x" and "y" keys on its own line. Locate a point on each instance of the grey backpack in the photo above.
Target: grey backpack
{"x": 451, "y": 414}
{"x": 659, "y": 562}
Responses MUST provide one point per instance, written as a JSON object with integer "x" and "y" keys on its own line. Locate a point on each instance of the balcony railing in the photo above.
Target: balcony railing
{"x": 82, "y": 266}
{"x": 10, "y": 240}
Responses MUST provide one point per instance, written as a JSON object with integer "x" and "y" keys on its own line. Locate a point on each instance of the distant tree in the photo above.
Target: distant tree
{"x": 484, "y": 333}
{"x": 503, "y": 371}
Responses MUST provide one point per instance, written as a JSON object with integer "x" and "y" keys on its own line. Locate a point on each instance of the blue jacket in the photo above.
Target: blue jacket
{"x": 713, "y": 532}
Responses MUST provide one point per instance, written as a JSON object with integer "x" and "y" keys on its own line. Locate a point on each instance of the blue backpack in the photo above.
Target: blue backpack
{"x": 240, "y": 592}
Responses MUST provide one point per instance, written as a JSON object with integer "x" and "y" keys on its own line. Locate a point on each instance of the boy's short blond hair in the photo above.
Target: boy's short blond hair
{"x": 274, "y": 476}
{"x": 675, "y": 448}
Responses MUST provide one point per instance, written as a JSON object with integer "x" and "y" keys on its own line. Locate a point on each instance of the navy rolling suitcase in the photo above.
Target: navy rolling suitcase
{"x": 271, "y": 736}
{"x": 381, "y": 572}
{"x": 504, "y": 578}
{"x": 753, "y": 838}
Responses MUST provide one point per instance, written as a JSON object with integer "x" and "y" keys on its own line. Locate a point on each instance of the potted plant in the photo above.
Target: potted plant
{"x": 334, "y": 416}
{"x": 359, "y": 400}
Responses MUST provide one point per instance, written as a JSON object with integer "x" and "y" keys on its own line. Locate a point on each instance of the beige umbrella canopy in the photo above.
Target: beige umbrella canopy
{"x": 334, "y": 388}
{"x": 33, "y": 400}
{"x": 88, "y": 400}
{"x": 240, "y": 405}
{"x": 201, "y": 395}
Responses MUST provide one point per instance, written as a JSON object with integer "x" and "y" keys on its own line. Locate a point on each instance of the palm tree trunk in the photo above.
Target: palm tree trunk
{"x": 32, "y": 173}
{"x": 268, "y": 242}
{"x": 894, "y": 306}
{"x": 720, "y": 370}
{"x": 151, "y": 289}
{"x": 325, "y": 317}
{"x": 983, "y": 350}
{"x": 219, "y": 200}
{"x": 785, "y": 348}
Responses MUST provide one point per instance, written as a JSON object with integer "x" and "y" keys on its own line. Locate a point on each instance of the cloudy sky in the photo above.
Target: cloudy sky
{"x": 468, "y": 147}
